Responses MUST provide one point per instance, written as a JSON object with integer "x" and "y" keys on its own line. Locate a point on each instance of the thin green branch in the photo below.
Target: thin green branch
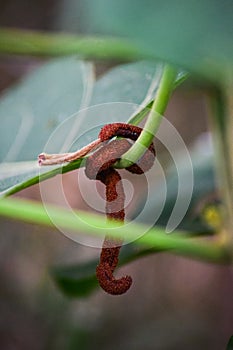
{"x": 137, "y": 118}
{"x": 34, "y": 43}
{"x": 45, "y": 176}
{"x": 154, "y": 119}
{"x": 34, "y": 212}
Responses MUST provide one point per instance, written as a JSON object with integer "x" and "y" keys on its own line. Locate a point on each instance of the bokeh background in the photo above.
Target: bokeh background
{"x": 175, "y": 303}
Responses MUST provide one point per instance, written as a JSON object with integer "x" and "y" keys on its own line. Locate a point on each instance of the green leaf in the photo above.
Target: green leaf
{"x": 230, "y": 344}
{"x": 32, "y": 110}
{"x": 52, "y": 93}
{"x": 130, "y": 83}
{"x": 193, "y": 34}
{"x": 76, "y": 280}
{"x": 79, "y": 280}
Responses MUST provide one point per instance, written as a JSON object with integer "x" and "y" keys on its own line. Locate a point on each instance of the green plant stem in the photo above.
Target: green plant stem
{"x": 222, "y": 131}
{"x": 63, "y": 169}
{"x": 34, "y": 43}
{"x": 137, "y": 118}
{"x": 154, "y": 119}
{"x": 229, "y": 161}
{"x": 34, "y": 212}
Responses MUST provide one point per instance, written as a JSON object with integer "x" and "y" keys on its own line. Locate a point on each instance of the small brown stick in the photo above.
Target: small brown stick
{"x": 59, "y": 158}
{"x": 99, "y": 166}
{"x": 107, "y": 132}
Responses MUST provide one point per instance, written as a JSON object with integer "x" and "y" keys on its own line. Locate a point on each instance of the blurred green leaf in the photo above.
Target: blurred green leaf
{"x": 33, "y": 109}
{"x": 79, "y": 280}
{"x": 130, "y": 83}
{"x": 230, "y": 344}
{"x": 194, "y": 34}
{"x": 53, "y": 93}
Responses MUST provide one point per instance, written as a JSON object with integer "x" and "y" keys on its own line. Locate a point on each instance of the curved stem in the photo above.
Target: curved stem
{"x": 154, "y": 119}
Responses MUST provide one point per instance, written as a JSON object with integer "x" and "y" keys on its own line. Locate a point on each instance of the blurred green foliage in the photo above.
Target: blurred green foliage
{"x": 196, "y": 35}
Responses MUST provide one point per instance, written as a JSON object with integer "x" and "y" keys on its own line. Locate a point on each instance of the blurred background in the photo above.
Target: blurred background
{"x": 174, "y": 303}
